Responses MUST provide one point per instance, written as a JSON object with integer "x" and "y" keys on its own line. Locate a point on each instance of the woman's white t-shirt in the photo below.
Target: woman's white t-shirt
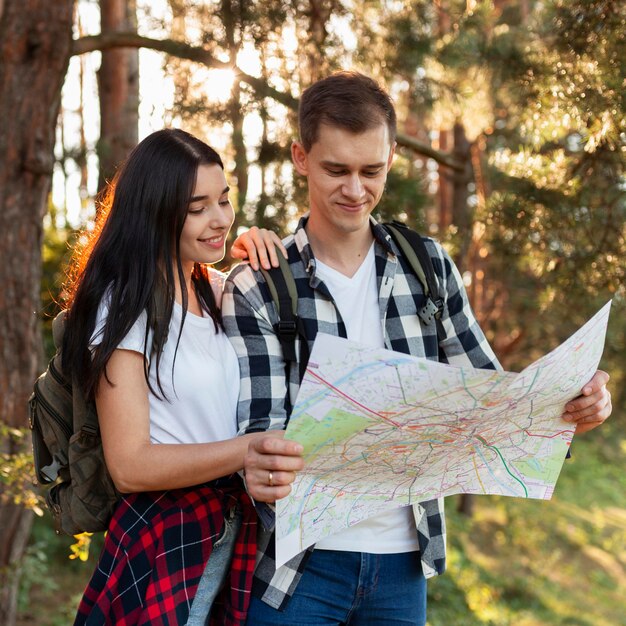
{"x": 357, "y": 301}
{"x": 201, "y": 404}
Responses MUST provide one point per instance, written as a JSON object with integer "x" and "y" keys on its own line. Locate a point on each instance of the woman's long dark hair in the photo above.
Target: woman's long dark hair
{"x": 128, "y": 256}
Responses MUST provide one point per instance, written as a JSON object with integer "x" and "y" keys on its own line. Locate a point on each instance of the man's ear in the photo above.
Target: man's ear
{"x": 299, "y": 158}
{"x": 392, "y": 152}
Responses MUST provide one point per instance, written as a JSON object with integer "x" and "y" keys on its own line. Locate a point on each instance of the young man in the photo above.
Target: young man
{"x": 352, "y": 282}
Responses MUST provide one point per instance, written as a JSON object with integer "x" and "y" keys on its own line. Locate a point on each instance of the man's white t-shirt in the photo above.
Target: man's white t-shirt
{"x": 201, "y": 404}
{"x": 357, "y": 301}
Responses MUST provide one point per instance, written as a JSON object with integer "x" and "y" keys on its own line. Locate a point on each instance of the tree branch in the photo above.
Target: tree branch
{"x": 201, "y": 55}
{"x": 106, "y": 41}
{"x": 443, "y": 158}
{"x": 181, "y": 50}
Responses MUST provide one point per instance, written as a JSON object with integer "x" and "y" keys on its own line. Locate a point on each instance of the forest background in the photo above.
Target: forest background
{"x": 512, "y": 148}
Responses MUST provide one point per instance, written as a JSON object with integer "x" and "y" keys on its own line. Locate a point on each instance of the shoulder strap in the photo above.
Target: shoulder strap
{"x": 282, "y": 286}
{"x": 84, "y": 415}
{"x": 415, "y": 252}
{"x": 58, "y": 328}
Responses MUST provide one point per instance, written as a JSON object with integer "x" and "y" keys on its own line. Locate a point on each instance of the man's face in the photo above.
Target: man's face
{"x": 346, "y": 173}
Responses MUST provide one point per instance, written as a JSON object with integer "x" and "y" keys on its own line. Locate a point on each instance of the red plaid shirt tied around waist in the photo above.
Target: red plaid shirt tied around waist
{"x": 156, "y": 549}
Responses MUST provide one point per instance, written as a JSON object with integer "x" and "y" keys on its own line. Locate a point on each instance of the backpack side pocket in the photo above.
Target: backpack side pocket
{"x": 92, "y": 495}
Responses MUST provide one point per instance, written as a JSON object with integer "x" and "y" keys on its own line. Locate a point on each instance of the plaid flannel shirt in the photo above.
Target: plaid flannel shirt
{"x": 265, "y": 403}
{"x": 155, "y": 552}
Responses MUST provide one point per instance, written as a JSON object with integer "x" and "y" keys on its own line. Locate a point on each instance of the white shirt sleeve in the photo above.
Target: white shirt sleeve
{"x": 134, "y": 340}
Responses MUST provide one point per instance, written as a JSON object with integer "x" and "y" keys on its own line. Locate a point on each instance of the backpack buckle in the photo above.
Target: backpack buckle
{"x": 428, "y": 312}
{"x": 439, "y": 305}
{"x": 32, "y": 408}
{"x": 287, "y": 328}
{"x": 90, "y": 429}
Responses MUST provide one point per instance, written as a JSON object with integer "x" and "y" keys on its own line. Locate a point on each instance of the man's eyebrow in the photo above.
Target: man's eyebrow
{"x": 368, "y": 166}
{"x": 198, "y": 198}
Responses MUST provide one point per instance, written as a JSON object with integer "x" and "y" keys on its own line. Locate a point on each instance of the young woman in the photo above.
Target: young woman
{"x": 143, "y": 335}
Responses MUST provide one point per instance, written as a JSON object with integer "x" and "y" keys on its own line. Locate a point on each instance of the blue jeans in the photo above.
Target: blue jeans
{"x": 352, "y": 589}
{"x": 216, "y": 570}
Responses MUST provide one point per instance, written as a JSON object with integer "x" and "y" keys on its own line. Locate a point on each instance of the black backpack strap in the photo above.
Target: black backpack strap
{"x": 282, "y": 286}
{"x": 414, "y": 250}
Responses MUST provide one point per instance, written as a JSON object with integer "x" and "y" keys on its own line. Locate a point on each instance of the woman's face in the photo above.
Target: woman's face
{"x": 209, "y": 218}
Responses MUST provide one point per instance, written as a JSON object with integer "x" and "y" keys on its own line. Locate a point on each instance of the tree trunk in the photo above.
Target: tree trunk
{"x": 233, "y": 17}
{"x": 462, "y": 214}
{"x": 319, "y": 12}
{"x": 118, "y": 89}
{"x": 462, "y": 219}
{"x": 239, "y": 146}
{"x": 35, "y": 45}
{"x": 444, "y": 187}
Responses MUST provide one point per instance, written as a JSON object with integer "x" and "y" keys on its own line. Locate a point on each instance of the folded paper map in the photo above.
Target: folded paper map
{"x": 381, "y": 429}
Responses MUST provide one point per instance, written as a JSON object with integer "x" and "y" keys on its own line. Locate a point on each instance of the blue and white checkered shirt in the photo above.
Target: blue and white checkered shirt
{"x": 265, "y": 402}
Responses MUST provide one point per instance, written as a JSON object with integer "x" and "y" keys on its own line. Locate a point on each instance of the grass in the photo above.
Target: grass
{"x": 514, "y": 563}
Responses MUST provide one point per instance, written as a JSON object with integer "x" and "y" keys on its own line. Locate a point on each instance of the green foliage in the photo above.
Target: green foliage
{"x": 405, "y": 196}
{"x": 412, "y": 37}
{"x": 57, "y": 245}
{"x": 557, "y": 210}
{"x": 51, "y": 584}
{"x": 17, "y": 472}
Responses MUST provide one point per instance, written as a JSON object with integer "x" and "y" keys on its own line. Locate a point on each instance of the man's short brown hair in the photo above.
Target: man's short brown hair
{"x": 347, "y": 100}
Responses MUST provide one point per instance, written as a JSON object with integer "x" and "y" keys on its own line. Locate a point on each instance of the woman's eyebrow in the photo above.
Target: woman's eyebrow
{"x": 198, "y": 198}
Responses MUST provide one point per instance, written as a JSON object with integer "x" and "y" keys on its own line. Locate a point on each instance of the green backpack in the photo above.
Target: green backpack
{"x": 284, "y": 293}
{"x": 67, "y": 449}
